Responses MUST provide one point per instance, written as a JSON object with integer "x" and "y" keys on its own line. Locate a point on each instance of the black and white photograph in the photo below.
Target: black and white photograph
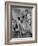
{"x": 21, "y": 22}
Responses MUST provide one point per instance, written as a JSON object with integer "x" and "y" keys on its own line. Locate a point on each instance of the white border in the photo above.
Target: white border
{"x": 14, "y": 40}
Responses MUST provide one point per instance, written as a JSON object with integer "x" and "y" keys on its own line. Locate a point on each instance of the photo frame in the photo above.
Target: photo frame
{"x": 20, "y": 22}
